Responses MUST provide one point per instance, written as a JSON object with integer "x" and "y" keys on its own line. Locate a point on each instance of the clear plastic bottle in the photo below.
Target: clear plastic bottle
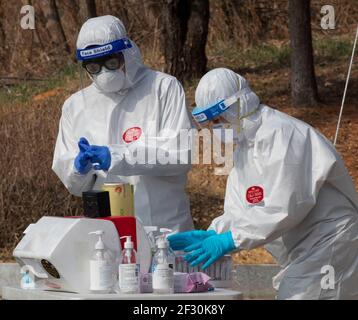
{"x": 163, "y": 265}
{"x": 27, "y": 279}
{"x": 129, "y": 268}
{"x": 101, "y": 267}
{"x": 150, "y": 230}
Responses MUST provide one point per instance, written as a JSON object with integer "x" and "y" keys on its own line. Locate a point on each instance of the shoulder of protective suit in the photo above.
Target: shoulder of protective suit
{"x": 75, "y": 100}
{"x": 289, "y": 138}
{"x": 281, "y": 131}
{"x": 165, "y": 80}
{"x": 274, "y": 121}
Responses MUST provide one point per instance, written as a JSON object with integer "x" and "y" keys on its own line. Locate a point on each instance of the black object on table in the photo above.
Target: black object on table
{"x": 96, "y": 204}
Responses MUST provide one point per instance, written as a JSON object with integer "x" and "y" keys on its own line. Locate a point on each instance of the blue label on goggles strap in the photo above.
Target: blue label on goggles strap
{"x": 202, "y": 114}
{"x": 103, "y": 50}
{"x": 209, "y": 113}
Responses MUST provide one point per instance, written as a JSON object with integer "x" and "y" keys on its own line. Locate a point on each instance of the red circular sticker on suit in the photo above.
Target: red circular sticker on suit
{"x": 132, "y": 134}
{"x": 254, "y": 194}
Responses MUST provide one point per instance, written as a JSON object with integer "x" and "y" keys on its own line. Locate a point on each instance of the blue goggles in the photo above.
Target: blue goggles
{"x": 103, "y": 50}
{"x": 204, "y": 114}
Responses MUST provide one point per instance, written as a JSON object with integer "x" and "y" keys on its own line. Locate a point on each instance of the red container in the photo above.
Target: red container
{"x": 126, "y": 226}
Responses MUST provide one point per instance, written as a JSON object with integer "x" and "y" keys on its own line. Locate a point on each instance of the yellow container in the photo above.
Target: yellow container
{"x": 121, "y": 198}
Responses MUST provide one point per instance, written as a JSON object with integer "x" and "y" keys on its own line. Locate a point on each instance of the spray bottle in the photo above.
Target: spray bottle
{"x": 128, "y": 268}
{"x": 101, "y": 268}
{"x": 163, "y": 265}
{"x": 150, "y": 230}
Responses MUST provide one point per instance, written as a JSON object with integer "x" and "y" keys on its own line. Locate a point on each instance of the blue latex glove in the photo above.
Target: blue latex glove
{"x": 82, "y": 161}
{"x": 182, "y": 240}
{"x": 210, "y": 250}
{"x": 101, "y": 157}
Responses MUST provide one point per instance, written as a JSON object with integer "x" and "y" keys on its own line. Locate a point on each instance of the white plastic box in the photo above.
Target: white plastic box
{"x": 58, "y": 251}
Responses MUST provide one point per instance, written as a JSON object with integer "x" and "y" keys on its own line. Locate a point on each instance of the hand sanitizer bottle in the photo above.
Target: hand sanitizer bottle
{"x": 101, "y": 268}
{"x": 163, "y": 265}
{"x": 129, "y": 268}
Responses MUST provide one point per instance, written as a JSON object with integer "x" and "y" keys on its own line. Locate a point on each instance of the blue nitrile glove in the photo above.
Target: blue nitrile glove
{"x": 210, "y": 250}
{"x": 182, "y": 240}
{"x": 101, "y": 156}
{"x": 82, "y": 161}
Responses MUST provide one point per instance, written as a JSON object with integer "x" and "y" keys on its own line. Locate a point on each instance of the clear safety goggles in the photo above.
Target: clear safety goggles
{"x": 203, "y": 115}
{"x": 111, "y": 62}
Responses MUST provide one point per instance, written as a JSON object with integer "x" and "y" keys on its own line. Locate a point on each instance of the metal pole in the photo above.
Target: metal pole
{"x": 345, "y": 89}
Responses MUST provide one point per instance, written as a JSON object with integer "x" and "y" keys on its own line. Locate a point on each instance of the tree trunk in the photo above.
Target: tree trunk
{"x": 195, "y": 59}
{"x": 175, "y": 16}
{"x": 303, "y": 79}
{"x": 91, "y": 8}
{"x": 53, "y": 24}
{"x": 184, "y": 35}
{"x": 87, "y": 10}
{"x": 68, "y": 11}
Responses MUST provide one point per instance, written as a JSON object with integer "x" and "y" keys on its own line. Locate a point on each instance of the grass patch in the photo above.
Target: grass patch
{"x": 252, "y": 58}
{"x": 275, "y": 56}
{"x": 24, "y": 90}
{"x": 332, "y": 50}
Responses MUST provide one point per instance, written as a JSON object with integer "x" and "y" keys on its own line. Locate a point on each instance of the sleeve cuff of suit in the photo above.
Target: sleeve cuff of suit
{"x": 117, "y": 155}
{"x": 236, "y": 237}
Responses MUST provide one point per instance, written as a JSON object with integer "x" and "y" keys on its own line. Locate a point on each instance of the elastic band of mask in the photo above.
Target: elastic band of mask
{"x": 103, "y": 50}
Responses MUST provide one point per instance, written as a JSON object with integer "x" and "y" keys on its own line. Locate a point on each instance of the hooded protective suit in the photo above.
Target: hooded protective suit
{"x": 289, "y": 189}
{"x": 146, "y": 115}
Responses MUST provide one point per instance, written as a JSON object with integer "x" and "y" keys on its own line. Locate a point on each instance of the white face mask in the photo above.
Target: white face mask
{"x": 109, "y": 80}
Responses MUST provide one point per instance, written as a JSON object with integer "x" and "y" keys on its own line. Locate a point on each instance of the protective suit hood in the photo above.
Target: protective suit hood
{"x": 221, "y": 83}
{"x": 104, "y": 30}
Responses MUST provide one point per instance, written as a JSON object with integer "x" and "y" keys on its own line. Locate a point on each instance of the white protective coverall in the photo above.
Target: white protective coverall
{"x": 289, "y": 189}
{"x": 147, "y": 116}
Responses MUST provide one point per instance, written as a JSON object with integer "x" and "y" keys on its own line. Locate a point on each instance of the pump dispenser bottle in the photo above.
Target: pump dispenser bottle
{"x": 101, "y": 268}
{"x": 129, "y": 268}
{"x": 163, "y": 265}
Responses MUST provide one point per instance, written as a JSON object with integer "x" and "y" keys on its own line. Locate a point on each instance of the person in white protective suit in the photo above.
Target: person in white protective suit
{"x": 129, "y": 110}
{"x": 289, "y": 190}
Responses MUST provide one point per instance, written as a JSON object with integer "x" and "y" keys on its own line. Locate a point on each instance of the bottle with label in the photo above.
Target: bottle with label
{"x": 129, "y": 268}
{"x": 101, "y": 267}
{"x": 163, "y": 265}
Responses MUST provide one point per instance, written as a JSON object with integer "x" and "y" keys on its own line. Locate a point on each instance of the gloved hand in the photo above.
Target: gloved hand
{"x": 82, "y": 161}
{"x": 210, "y": 250}
{"x": 182, "y": 240}
{"x": 101, "y": 157}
